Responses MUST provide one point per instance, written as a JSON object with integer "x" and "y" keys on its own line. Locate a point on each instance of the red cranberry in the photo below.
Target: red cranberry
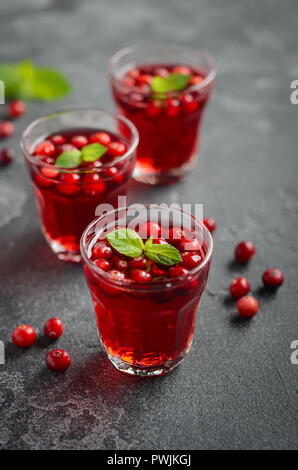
{"x": 103, "y": 264}
{"x": 244, "y": 251}
{"x": 121, "y": 264}
{"x": 117, "y": 149}
{"x": 16, "y": 108}
{"x": 79, "y": 141}
{"x": 65, "y": 148}
{"x": 189, "y": 244}
{"x": 177, "y": 271}
{"x": 58, "y": 360}
{"x": 6, "y": 129}
{"x": 53, "y": 328}
{"x": 45, "y": 148}
{"x": 101, "y": 250}
{"x": 114, "y": 173}
{"x": 50, "y": 173}
{"x": 116, "y": 275}
{"x": 196, "y": 80}
{"x": 102, "y": 138}
{"x": 172, "y": 108}
{"x": 144, "y": 79}
{"x": 150, "y": 229}
{"x": 239, "y": 287}
{"x": 189, "y": 103}
{"x": 128, "y": 81}
{"x": 134, "y": 73}
{"x": 156, "y": 271}
{"x": 58, "y": 139}
{"x": 23, "y": 336}
{"x": 93, "y": 184}
{"x": 6, "y": 156}
{"x": 190, "y": 260}
{"x": 160, "y": 241}
{"x": 182, "y": 70}
{"x": 273, "y": 277}
{"x": 43, "y": 181}
{"x": 175, "y": 235}
{"x": 138, "y": 275}
{"x": 69, "y": 184}
{"x": 161, "y": 72}
{"x": 210, "y": 224}
{"x": 247, "y": 306}
{"x": 153, "y": 109}
{"x": 138, "y": 263}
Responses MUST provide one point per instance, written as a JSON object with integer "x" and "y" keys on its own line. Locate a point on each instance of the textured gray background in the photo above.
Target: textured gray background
{"x": 237, "y": 388}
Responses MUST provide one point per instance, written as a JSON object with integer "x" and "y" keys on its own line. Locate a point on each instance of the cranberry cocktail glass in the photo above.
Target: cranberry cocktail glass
{"x": 163, "y": 90}
{"x": 145, "y": 308}
{"x": 77, "y": 160}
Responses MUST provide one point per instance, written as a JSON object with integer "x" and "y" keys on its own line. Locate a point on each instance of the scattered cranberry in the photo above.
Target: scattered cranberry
{"x": 6, "y": 129}
{"x": 150, "y": 229}
{"x": 58, "y": 139}
{"x": 189, "y": 103}
{"x": 273, "y": 277}
{"x": 58, "y": 360}
{"x": 153, "y": 109}
{"x": 210, "y": 224}
{"x": 103, "y": 264}
{"x": 101, "y": 250}
{"x": 172, "y": 107}
{"x": 16, "y": 108}
{"x": 138, "y": 263}
{"x": 239, "y": 287}
{"x": 6, "y": 156}
{"x": 138, "y": 275}
{"x": 68, "y": 184}
{"x": 182, "y": 70}
{"x": 175, "y": 235}
{"x": 121, "y": 264}
{"x": 53, "y": 328}
{"x": 189, "y": 244}
{"x": 23, "y": 336}
{"x": 101, "y": 138}
{"x": 247, "y": 306}
{"x": 176, "y": 271}
{"x": 244, "y": 251}
{"x": 93, "y": 184}
{"x": 117, "y": 149}
{"x": 116, "y": 275}
{"x": 79, "y": 141}
{"x": 45, "y": 148}
{"x": 190, "y": 260}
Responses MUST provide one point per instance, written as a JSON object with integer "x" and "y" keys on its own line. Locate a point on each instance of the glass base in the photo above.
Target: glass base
{"x": 65, "y": 255}
{"x": 163, "y": 177}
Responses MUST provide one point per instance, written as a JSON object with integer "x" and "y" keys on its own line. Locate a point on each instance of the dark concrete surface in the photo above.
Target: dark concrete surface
{"x": 237, "y": 388}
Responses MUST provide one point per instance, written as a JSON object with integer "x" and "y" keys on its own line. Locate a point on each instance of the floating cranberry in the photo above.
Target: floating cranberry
{"x": 43, "y": 181}
{"x": 190, "y": 260}
{"x": 53, "y": 328}
{"x": 189, "y": 244}
{"x": 210, "y": 224}
{"x": 16, "y": 108}
{"x": 121, "y": 264}
{"x": 102, "y": 138}
{"x": 79, "y": 141}
{"x": 6, "y": 156}
{"x": 196, "y": 80}
{"x": 50, "y": 173}
{"x": 150, "y": 229}
{"x": 138, "y": 275}
{"x": 69, "y": 184}
{"x": 160, "y": 241}
{"x": 175, "y": 235}
{"x": 128, "y": 81}
{"x": 58, "y": 360}
{"x": 153, "y": 109}
{"x": 113, "y": 172}
{"x": 189, "y": 103}
{"x": 117, "y": 149}
{"x": 58, "y": 139}
{"x": 116, "y": 275}
{"x": 273, "y": 277}
{"x": 172, "y": 108}
{"x": 93, "y": 184}
{"x": 182, "y": 70}
{"x": 6, "y": 129}
{"x": 156, "y": 271}
{"x": 65, "y": 148}
{"x": 46, "y": 148}
{"x": 134, "y": 73}
{"x": 138, "y": 263}
{"x": 23, "y": 336}
{"x": 244, "y": 251}
{"x": 161, "y": 72}
{"x": 103, "y": 264}
{"x": 239, "y": 287}
{"x": 247, "y": 306}
{"x": 144, "y": 79}
{"x": 177, "y": 271}
{"x": 101, "y": 250}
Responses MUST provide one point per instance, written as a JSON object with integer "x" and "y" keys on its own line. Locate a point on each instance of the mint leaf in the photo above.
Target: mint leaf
{"x": 49, "y": 84}
{"x": 126, "y": 241}
{"x": 148, "y": 243}
{"x": 173, "y": 82}
{"x": 70, "y": 159}
{"x": 93, "y": 152}
{"x": 163, "y": 254}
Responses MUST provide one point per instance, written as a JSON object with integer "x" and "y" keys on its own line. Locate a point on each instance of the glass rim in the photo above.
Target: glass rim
{"x": 126, "y": 50}
{"x": 142, "y": 286}
{"x": 32, "y": 159}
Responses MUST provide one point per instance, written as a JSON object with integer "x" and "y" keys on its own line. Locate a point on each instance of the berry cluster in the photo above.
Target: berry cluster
{"x": 15, "y": 109}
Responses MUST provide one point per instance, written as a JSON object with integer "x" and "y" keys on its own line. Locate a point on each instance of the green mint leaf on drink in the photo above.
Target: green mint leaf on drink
{"x": 69, "y": 159}
{"x": 173, "y": 82}
{"x": 148, "y": 243}
{"x": 163, "y": 254}
{"x": 126, "y": 241}
{"x": 92, "y": 152}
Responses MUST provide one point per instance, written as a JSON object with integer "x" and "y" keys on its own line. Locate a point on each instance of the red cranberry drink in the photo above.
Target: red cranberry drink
{"x": 163, "y": 91}
{"x": 77, "y": 160}
{"x": 146, "y": 283}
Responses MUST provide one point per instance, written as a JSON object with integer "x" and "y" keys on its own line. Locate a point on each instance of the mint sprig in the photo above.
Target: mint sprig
{"x": 173, "y": 82}
{"x": 127, "y": 242}
{"x": 25, "y": 80}
{"x": 73, "y": 158}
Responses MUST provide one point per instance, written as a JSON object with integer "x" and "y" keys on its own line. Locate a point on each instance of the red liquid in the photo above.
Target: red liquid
{"x": 168, "y": 128}
{"x": 66, "y": 209}
{"x": 147, "y": 325}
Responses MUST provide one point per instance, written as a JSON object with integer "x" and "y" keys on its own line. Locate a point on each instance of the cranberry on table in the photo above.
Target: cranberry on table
{"x": 102, "y": 138}
{"x": 190, "y": 260}
{"x": 189, "y": 244}
{"x": 210, "y": 223}
{"x": 16, "y": 108}
{"x": 138, "y": 275}
{"x": 6, "y": 156}
{"x": 69, "y": 184}
{"x": 103, "y": 264}
{"x": 247, "y": 306}
{"x": 58, "y": 139}
{"x": 79, "y": 141}
{"x": 93, "y": 184}
{"x": 101, "y": 250}
{"x": 53, "y": 328}
{"x": 116, "y": 149}
{"x": 177, "y": 271}
{"x": 23, "y": 336}
{"x": 138, "y": 263}
{"x": 239, "y": 287}
{"x": 58, "y": 360}
{"x": 245, "y": 251}
{"x": 273, "y": 278}
{"x": 45, "y": 148}
{"x": 6, "y": 129}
